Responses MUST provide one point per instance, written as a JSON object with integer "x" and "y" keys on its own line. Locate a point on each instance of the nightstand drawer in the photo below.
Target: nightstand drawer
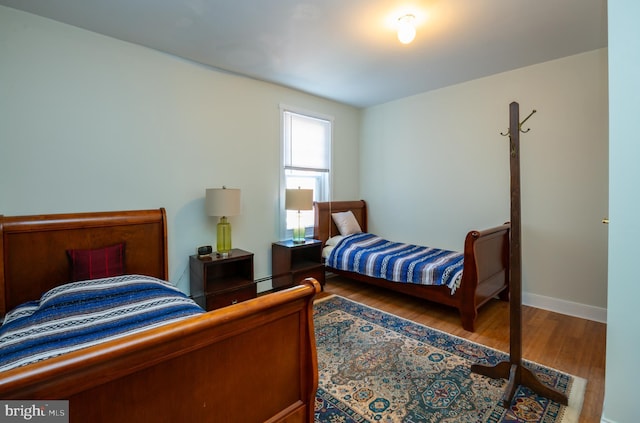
{"x": 228, "y": 298}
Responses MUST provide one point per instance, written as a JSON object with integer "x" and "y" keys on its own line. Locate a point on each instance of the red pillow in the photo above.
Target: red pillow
{"x": 99, "y": 263}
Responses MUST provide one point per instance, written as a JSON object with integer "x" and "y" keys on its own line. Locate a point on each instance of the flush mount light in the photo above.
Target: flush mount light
{"x": 406, "y": 28}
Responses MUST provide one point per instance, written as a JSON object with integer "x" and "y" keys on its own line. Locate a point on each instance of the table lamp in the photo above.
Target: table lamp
{"x": 223, "y": 202}
{"x": 299, "y": 199}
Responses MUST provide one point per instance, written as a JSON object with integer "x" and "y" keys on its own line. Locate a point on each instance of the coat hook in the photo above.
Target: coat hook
{"x": 520, "y": 126}
{"x": 525, "y": 119}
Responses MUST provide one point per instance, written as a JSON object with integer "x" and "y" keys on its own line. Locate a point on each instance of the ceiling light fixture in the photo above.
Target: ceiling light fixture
{"x": 406, "y": 28}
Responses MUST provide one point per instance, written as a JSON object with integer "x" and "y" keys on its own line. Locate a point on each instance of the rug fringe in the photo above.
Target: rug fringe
{"x": 576, "y": 398}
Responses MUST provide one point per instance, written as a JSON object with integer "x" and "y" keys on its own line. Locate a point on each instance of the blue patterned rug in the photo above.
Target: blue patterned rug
{"x": 377, "y": 367}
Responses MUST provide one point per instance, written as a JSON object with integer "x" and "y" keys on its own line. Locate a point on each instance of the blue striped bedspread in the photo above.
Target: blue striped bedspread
{"x": 371, "y": 255}
{"x": 81, "y": 314}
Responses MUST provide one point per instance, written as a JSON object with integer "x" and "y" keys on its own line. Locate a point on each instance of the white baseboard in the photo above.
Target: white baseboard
{"x": 263, "y": 286}
{"x": 584, "y": 311}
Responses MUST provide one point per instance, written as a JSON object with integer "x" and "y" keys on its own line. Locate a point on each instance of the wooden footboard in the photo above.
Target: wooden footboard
{"x": 486, "y": 264}
{"x": 486, "y": 272}
{"x": 251, "y": 362}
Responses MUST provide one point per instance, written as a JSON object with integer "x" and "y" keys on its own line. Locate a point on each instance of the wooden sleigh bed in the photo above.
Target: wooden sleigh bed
{"x": 485, "y": 272}
{"x": 253, "y": 361}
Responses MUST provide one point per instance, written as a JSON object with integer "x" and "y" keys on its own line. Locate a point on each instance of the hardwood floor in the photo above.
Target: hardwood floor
{"x": 570, "y": 344}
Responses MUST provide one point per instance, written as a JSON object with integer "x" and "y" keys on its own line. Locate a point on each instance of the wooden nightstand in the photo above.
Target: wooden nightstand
{"x": 218, "y": 282}
{"x": 291, "y": 263}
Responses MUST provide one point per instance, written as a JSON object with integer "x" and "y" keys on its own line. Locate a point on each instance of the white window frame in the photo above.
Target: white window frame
{"x": 322, "y": 189}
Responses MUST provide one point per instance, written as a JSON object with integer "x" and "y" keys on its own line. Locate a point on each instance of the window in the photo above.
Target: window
{"x": 306, "y": 158}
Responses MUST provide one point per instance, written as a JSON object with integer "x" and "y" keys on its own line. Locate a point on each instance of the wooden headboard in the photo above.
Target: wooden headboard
{"x": 33, "y": 248}
{"x": 324, "y": 226}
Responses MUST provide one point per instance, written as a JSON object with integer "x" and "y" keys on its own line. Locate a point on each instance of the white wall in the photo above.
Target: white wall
{"x": 90, "y": 123}
{"x": 434, "y": 166}
{"x": 623, "y": 335}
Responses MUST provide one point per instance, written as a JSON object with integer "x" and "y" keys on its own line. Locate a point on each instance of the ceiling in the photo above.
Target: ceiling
{"x": 346, "y": 50}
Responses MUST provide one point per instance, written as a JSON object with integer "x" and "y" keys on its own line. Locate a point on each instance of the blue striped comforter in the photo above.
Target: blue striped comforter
{"x": 371, "y": 255}
{"x": 81, "y": 314}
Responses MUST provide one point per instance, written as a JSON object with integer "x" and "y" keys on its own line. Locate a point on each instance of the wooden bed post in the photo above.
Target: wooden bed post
{"x": 513, "y": 370}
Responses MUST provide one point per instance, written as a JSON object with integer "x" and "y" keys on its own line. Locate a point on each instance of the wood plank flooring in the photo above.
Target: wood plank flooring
{"x": 570, "y": 344}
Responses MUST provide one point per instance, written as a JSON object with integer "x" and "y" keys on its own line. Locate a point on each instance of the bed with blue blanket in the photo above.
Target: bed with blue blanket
{"x": 465, "y": 280}
{"x": 81, "y": 314}
{"x": 88, "y": 317}
{"x": 371, "y": 255}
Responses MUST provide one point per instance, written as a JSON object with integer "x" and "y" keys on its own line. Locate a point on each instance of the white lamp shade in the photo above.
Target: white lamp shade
{"x": 222, "y": 201}
{"x": 299, "y": 199}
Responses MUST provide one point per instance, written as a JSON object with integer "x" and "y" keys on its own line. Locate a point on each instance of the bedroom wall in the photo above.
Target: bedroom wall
{"x": 434, "y": 166}
{"x": 91, "y": 123}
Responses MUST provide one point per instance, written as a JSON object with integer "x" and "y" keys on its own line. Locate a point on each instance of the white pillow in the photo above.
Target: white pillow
{"x": 333, "y": 240}
{"x": 346, "y": 223}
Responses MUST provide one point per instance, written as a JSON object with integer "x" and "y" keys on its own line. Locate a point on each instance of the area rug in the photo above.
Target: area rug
{"x": 377, "y": 367}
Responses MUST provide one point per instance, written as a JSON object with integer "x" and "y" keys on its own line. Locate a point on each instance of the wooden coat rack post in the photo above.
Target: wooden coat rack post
{"x": 513, "y": 370}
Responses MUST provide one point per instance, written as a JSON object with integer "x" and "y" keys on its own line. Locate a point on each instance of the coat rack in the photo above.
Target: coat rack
{"x": 513, "y": 370}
